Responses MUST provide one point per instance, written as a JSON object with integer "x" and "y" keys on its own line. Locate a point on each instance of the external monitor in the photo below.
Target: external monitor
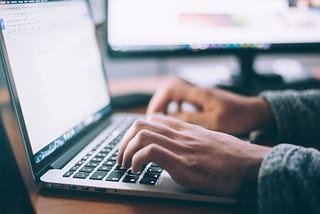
{"x": 240, "y": 27}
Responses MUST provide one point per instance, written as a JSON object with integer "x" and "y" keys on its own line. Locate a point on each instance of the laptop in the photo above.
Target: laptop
{"x": 56, "y": 78}
{"x": 14, "y": 197}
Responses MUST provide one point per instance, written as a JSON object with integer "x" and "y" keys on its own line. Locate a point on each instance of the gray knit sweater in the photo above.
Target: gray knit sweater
{"x": 289, "y": 177}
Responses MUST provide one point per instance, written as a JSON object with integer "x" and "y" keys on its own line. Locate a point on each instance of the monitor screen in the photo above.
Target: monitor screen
{"x": 191, "y": 25}
{"x": 55, "y": 65}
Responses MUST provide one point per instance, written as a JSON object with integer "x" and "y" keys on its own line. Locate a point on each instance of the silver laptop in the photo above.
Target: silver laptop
{"x": 55, "y": 73}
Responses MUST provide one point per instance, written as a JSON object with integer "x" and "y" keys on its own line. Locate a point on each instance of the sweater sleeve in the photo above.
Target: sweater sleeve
{"x": 289, "y": 180}
{"x": 297, "y": 114}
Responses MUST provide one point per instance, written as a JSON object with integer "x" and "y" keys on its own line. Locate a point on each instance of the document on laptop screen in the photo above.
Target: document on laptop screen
{"x": 56, "y": 64}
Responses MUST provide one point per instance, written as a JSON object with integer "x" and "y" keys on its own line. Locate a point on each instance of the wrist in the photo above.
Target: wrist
{"x": 252, "y": 166}
{"x": 260, "y": 112}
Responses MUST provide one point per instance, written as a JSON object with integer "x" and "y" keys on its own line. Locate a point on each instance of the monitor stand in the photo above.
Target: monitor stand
{"x": 250, "y": 82}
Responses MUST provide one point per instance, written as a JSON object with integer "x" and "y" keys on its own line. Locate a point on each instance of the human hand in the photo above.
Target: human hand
{"x": 218, "y": 109}
{"x": 195, "y": 157}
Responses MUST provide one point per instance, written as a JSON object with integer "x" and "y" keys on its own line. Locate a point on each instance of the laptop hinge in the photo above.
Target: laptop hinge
{"x": 82, "y": 141}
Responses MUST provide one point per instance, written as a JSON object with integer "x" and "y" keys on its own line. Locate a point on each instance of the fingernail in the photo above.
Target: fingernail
{"x": 134, "y": 170}
{"x": 124, "y": 166}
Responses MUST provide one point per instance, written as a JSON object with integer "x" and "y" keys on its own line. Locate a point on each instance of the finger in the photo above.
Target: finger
{"x": 194, "y": 118}
{"x": 161, "y": 98}
{"x": 185, "y": 93}
{"x": 145, "y": 138}
{"x": 165, "y": 158}
{"x": 174, "y": 123}
{"x": 136, "y": 127}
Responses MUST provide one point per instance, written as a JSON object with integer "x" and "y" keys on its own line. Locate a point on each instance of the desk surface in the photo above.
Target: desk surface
{"x": 50, "y": 201}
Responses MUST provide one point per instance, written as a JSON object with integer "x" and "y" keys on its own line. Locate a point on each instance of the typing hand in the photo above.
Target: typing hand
{"x": 217, "y": 109}
{"x": 195, "y": 157}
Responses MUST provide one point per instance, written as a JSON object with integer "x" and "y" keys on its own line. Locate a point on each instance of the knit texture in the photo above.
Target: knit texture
{"x": 289, "y": 177}
{"x": 297, "y": 114}
{"x": 289, "y": 181}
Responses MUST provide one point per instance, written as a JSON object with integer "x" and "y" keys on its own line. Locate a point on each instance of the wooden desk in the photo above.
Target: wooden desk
{"x": 50, "y": 201}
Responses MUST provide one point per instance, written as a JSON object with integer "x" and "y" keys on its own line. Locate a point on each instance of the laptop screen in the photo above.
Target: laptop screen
{"x": 56, "y": 67}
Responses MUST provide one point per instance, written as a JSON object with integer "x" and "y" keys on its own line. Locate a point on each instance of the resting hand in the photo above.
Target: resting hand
{"x": 218, "y": 109}
{"x": 195, "y": 157}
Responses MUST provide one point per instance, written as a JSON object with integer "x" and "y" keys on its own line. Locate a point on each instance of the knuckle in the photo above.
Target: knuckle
{"x": 191, "y": 164}
{"x": 219, "y": 118}
{"x": 143, "y": 135}
{"x": 138, "y": 124}
{"x": 206, "y": 92}
{"x": 166, "y": 89}
{"x": 202, "y": 92}
{"x": 154, "y": 117}
{"x": 151, "y": 150}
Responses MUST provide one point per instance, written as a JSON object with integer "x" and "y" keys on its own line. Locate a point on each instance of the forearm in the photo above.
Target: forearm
{"x": 289, "y": 180}
{"x": 296, "y": 114}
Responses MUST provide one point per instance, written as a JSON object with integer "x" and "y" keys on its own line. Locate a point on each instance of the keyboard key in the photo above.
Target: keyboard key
{"x": 80, "y": 163}
{"x": 154, "y": 165}
{"x": 92, "y": 164}
{"x": 149, "y": 181}
{"x": 151, "y": 175}
{"x": 114, "y": 142}
{"x": 105, "y": 168}
{"x": 109, "y": 146}
{"x": 98, "y": 175}
{"x": 90, "y": 154}
{"x": 115, "y": 176}
{"x": 118, "y": 168}
{"x": 101, "y": 155}
{"x": 109, "y": 163}
{"x": 131, "y": 173}
{"x": 86, "y": 169}
{"x": 131, "y": 179}
{"x": 85, "y": 158}
{"x": 96, "y": 159}
{"x": 68, "y": 174}
{"x": 81, "y": 175}
{"x": 105, "y": 151}
{"x": 74, "y": 168}
{"x": 155, "y": 169}
{"x": 113, "y": 158}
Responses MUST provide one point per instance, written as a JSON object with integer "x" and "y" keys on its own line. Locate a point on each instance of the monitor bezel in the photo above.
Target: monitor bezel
{"x": 288, "y": 48}
{"x": 191, "y": 52}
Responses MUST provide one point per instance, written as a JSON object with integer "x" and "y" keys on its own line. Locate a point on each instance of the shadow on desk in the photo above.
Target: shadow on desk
{"x": 102, "y": 203}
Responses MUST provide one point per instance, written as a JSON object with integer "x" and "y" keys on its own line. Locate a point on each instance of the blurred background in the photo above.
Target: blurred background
{"x": 209, "y": 68}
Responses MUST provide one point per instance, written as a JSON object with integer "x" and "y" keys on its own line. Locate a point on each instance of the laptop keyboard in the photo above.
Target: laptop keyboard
{"x": 100, "y": 162}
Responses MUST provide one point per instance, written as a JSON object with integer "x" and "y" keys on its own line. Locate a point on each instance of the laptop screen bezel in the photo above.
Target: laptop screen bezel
{"x": 40, "y": 168}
